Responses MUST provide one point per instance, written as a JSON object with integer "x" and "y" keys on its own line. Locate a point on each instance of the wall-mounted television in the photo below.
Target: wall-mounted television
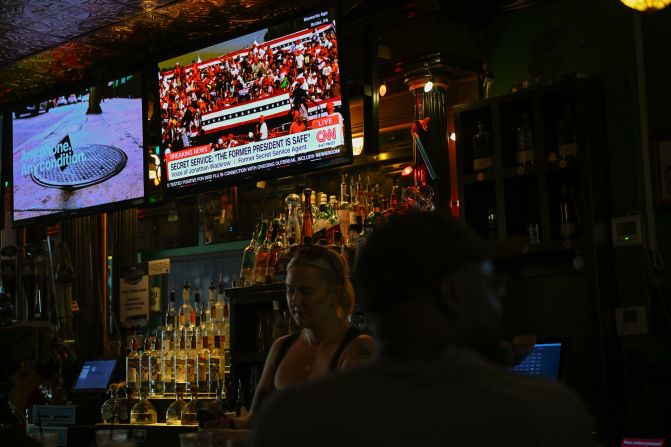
{"x": 263, "y": 105}
{"x": 79, "y": 152}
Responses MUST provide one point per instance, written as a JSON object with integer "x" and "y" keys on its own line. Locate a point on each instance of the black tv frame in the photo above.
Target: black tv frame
{"x": 171, "y": 193}
{"x": 57, "y": 216}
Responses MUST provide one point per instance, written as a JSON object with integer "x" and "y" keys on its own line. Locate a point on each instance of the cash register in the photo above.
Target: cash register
{"x": 74, "y": 422}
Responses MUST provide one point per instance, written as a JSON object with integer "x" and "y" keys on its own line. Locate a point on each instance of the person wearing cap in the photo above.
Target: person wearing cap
{"x": 430, "y": 293}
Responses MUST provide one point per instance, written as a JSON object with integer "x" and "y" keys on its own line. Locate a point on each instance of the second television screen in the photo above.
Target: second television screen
{"x": 266, "y": 104}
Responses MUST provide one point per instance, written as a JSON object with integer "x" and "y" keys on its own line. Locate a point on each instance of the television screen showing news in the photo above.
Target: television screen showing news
{"x": 78, "y": 152}
{"x": 266, "y": 104}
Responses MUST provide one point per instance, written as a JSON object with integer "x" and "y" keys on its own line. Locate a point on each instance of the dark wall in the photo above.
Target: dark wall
{"x": 597, "y": 38}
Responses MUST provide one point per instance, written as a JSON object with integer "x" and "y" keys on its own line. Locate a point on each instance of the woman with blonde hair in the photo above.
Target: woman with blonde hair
{"x": 320, "y": 298}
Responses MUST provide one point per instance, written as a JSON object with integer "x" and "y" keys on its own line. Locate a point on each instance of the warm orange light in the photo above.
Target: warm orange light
{"x": 407, "y": 170}
{"x": 646, "y": 5}
{"x": 383, "y": 89}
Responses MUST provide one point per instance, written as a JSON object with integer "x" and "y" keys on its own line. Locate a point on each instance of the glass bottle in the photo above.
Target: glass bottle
{"x": 187, "y": 316}
{"x": 202, "y": 368}
{"x": 215, "y": 365}
{"x": 276, "y": 250}
{"x": 156, "y": 370}
{"x": 173, "y": 415}
{"x": 262, "y": 255}
{"x": 482, "y": 149}
{"x": 191, "y": 361}
{"x": 143, "y": 412}
{"x": 109, "y": 412}
{"x": 190, "y": 410}
{"x": 344, "y": 209}
{"x": 171, "y": 313}
{"x": 179, "y": 361}
{"x": 567, "y": 134}
{"x": 249, "y": 261}
{"x": 321, "y": 223}
{"x": 168, "y": 364}
{"x": 197, "y": 310}
{"x": 132, "y": 366}
{"x": 307, "y": 230}
{"x": 226, "y": 342}
{"x": 146, "y": 364}
{"x": 293, "y": 230}
{"x": 212, "y": 301}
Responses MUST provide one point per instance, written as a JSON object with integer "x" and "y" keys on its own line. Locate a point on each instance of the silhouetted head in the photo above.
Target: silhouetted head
{"x": 425, "y": 279}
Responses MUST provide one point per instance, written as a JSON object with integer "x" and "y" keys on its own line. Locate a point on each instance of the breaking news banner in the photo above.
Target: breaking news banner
{"x": 202, "y": 163}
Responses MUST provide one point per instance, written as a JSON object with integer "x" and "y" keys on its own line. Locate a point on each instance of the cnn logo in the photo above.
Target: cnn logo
{"x": 326, "y": 135}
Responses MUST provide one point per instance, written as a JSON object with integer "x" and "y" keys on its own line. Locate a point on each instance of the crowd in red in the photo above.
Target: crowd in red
{"x": 188, "y": 93}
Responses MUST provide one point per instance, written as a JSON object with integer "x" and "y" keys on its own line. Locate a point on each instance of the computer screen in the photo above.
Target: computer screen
{"x": 543, "y": 361}
{"x": 95, "y": 375}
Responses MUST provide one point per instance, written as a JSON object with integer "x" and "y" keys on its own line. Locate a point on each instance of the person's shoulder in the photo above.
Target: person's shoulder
{"x": 359, "y": 350}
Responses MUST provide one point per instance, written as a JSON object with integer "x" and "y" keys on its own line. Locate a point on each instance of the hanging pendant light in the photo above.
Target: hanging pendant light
{"x": 646, "y": 5}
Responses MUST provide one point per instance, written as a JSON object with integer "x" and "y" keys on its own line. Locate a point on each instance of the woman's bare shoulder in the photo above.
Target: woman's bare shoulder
{"x": 359, "y": 351}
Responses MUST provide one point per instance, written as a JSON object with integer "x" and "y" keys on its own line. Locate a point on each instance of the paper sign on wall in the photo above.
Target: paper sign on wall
{"x": 159, "y": 267}
{"x": 133, "y": 298}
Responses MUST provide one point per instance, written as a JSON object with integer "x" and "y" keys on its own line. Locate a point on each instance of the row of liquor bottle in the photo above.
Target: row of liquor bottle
{"x": 317, "y": 219}
{"x": 191, "y": 350}
{"x": 123, "y": 410}
{"x": 483, "y": 158}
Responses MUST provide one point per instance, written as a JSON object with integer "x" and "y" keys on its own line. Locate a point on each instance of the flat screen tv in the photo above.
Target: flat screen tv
{"x": 263, "y": 105}
{"x": 78, "y": 153}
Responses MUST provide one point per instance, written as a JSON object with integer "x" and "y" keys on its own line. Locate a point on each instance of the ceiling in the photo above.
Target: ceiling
{"x": 46, "y": 44}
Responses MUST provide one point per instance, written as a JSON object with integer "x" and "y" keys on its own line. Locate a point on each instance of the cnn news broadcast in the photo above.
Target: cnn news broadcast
{"x": 262, "y": 102}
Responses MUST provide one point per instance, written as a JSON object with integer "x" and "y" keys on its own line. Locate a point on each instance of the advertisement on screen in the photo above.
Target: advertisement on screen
{"x": 79, "y": 152}
{"x": 263, "y": 105}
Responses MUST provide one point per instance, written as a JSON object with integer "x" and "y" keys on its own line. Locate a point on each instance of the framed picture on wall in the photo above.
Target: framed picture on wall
{"x": 661, "y": 165}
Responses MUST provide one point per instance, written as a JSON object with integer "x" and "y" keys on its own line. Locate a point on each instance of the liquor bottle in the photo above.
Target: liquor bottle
{"x": 156, "y": 368}
{"x": 132, "y": 366}
{"x": 293, "y": 230}
{"x": 197, "y": 310}
{"x": 187, "y": 316}
{"x": 212, "y": 301}
{"x": 221, "y": 299}
{"x": 374, "y": 218}
{"x": 276, "y": 249}
{"x": 191, "y": 361}
{"x": 526, "y": 154}
{"x": 249, "y": 261}
{"x": 179, "y": 361}
{"x": 262, "y": 254}
{"x": 171, "y": 313}
{"x": 168, "y": 364}
{"x": 146, "y": 365}
{"x": 190, "y": 410}
{"x": 143, "y": 412}
{"x": 344, "y": 209}
{"x": 482, "y": 149}
{"x": 173, "y": 415}
{"x": 321, "y": 223}
{"x": 226, "y": 342}
{"x": 202, "y": 358}
{"x": 215, "y": 365}
{"x": 307, "y": 230}
{"x": 567, "y": 134}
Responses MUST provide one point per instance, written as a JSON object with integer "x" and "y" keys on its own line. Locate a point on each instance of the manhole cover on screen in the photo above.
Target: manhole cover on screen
{"x": 95, "y": 163}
